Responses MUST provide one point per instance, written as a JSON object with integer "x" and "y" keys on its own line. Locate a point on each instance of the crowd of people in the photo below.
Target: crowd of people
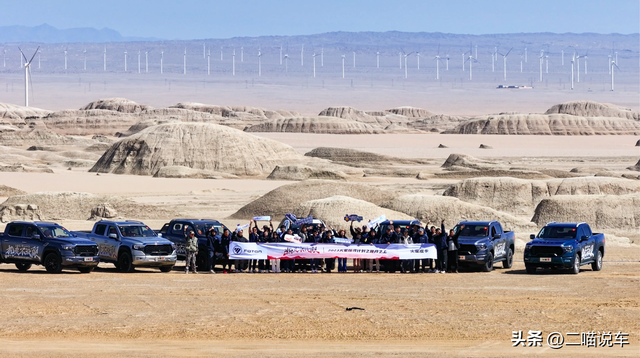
{"x": 218, "y": 249}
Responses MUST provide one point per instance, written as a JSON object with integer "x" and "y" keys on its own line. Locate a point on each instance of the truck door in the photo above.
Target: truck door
{"x": 499, "y": 244}
{"x": 587, "y": 247}
{"x": 36, "y": 240}
{"x": 99, "y": 237}
{"x": 11, "y": 242}
{"x": 178, "y": 238}
{"x": 112, "y": 243}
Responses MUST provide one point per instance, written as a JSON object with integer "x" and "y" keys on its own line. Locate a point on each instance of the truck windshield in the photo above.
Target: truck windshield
{"x": 53, "y": 231}
{"x": 202, "y": 229}
{"x": 136, "y": 231}
{"x": 475, "y": 231}
{"x": 552, "y": 232}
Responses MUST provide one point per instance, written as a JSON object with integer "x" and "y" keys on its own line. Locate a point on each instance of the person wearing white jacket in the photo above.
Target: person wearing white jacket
{"x": 405, "y": 239}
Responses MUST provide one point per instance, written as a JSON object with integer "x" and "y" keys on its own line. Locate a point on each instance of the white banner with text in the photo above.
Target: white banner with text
{"x": 262, "y": 251}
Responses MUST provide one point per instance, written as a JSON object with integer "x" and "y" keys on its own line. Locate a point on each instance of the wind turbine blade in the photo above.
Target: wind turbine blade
{"x": 508, "y": 52}
{"x": 34, "y": 55}
{"x": 615, "y": 64}
{"x": 23, "y": 56}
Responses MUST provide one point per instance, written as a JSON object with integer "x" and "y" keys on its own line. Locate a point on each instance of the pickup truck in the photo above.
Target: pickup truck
{"x": 49, "y": 244}
{"x": 564, "y": 245}
{"x": 176, "y": 230}
{"x": 128, "y": 244}
{"x": 484, "y": 243}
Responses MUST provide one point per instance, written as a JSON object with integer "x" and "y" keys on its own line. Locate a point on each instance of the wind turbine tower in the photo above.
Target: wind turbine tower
{"x": 104, "y": 59}
{"x": 146, "y": 62}
{"x": 65, "y": 60}
{"x": 562, "y": 54}
{"x": 377, "y": 59}
{"x": 322, "y": 57}
{"x": 314, "y": 65}
{"x": 613, "y": 64}
{"x": 286, "y": 63}
{"x": 540, "y": 60}
{"x": 27, "y": 73}
{"x": 504, "y": 63}
{"x": 354, "y": 59}
{"x": 209, "y": 63}
{"x": 161, "y": 61}
{"x": 437, "y": 58}
{"x": 242, "y": 54}
{"x": 125, "y": 60}
{"x": 234, "y": 62}
{"x": 85, "y": 58}
{"x": 573, "y": 59}
{"x": 418, "y": 58}
{"x": 138, "y": 61}
{"x": 259, "y": 63}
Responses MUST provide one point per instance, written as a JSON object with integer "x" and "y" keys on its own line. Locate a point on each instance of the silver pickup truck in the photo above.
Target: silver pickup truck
{"x": 131, "y": 244}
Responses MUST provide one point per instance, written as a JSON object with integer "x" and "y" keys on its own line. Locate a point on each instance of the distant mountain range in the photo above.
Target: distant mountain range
{"x": 48, "y": 34}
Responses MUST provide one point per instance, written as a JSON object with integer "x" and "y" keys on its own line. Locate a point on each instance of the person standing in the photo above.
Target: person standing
{"x": 405, "y": 239}
{"x": 191, "y": 248}
{"x": 342, "y": 262}
{"x": 221, "y": 251}
{"x": 440, "y": 239}
{"x": 421, "y": 238}
{"x": 212, "y": 238}
{"x": 329, "y": 262}
{"x": 241, "y": 265}
{"x": 275, "y": 263}
{"x": 452, "y": 250}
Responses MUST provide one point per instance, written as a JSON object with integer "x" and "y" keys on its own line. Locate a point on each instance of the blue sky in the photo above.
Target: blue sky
{"x": 194, "y": 19}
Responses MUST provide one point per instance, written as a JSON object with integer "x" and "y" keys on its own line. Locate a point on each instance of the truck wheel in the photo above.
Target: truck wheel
{"x": 23, "y": 267}
{"x": 575, "y": 269}
{"x": 596, "y": 265}
{"x": 166, "y": 268}
{"x": 53, "y": 263}
{"x": 530, "y": 269}
{"x": 125, "y": 263}
{"x": 508, "y": 262}
{"x": 86, "y": 269}
{"x": 488, "y": 265}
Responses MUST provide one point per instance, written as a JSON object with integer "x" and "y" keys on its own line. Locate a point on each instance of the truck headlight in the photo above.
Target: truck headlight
{"x": 568, "y": 248}
{"x": 68, "y": 247}
{"x": 481, "y": 247}
{"x": 138, "y": 247}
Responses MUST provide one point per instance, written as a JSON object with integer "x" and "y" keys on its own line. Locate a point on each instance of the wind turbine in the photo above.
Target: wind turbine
{"x": 447, "y": 58}
{"x": 209, "y": 63}
{"x": 494, "y": 58}
{"x": 259, "y": 63}
{"x": 418, "y": 58}
{"x": 354, "y": 59}
{"x": 586, "y": 57}
{"x": 125, "y": 60}
{"x": 438, "y": 60}
{"x": 504, "y": 63}
{"x": 521, "y": 56}
{"x": 27, "y": 72}
{"x": 104, "y": 59}
{"x": 146, "y": 61}
{"x": 525, "y": 55}
{"x": 613, "y": 64}
{"x": 204, "y": 50}
{"x": 85, "y": 59}
{"x": 314, "y": 65}
{"x": 546, "y": 60}
{"x": 241, "y": 53}
{"x": 184, "y": 62}
{"x": 476, "y": 52}
{"x": 405, "y": 64}
{"x": 578, "y": 68}
{"x": 234, "y": 61}
{"x": 471, "y": 61}
{"x": 138, "y": 61}
{"x": 573, "y": 59}
{"x": 541, "y": 59}
{"x": 463, "y": 55}
{"x": 377, "y": 59}
{"x": 65, "y": 59}
{"x": 286, "y": 63}
{"x": 161, "y": 61}
{"x": 342, "y": 66}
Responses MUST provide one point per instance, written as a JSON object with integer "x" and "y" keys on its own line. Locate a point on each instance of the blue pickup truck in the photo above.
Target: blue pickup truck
{"x": 484, "y": 243}
{"x": 49, "y": 244}
{"x": 564, "y": 245}
{"x": 130, "y": 244}
{"x": 176, "y": 230}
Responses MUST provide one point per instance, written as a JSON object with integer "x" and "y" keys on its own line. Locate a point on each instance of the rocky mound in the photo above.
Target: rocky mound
{"x": 325, "y": 125}
{"x": 40, "y": 137}
{"x": 347, "y": 113}
{"x": 452, "y": 210}
{"x": 602, "y": 212}
{"x": 92, "y": 121}
{"x": 635, "y": 167}
{"x": 11, "y": 114}
{"x": 465, "y": 162}
{"x": 333, "y": 209}
{"x": 303, "y": 172}
{"x": 542, "y": 124}
{"x": 9, "y": 191}
{"x": 437, "y": 122}
{"x": 237, "y": 112}
{"x": 473, "y": 173}
{"x": 121, "y": 105}
{"x": 638, "y": 143}
{"x": 520, "y": 197}
{"x": 73, "y": 206}
{"x": 285, "y": 198}
{"x": 593, "y": 109}
{"x": 203, "y": 146}
{"x": 184, "y": 172}
{"x": 353, "y": 156}
{"x": 411, "y": 112}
